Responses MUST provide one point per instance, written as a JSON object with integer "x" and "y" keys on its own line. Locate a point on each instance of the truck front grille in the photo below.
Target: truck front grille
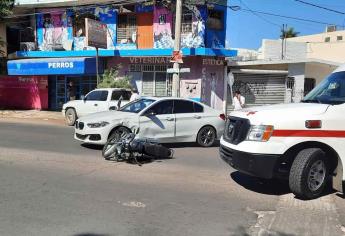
{"x": 236, "y": 130}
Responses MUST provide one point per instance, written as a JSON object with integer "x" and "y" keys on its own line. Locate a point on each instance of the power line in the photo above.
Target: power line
{"x": 321, "y": 7}
{"x": 291, "y": 17}
{"x": 257, "y": 15}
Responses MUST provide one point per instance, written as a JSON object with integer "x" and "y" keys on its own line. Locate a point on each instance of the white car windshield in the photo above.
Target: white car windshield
{"x": 137, "y": 106}
{"x": 330, "y": 91}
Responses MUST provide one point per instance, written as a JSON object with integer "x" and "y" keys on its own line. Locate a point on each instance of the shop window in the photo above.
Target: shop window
{"x": 339, "y": 38}
{"x": 309, "y": 84}
{"x": 79, "y": 24}
{"x": 327, "y": 39}
{"x": 215, "y": 20}
{"x": 126, "y": 28}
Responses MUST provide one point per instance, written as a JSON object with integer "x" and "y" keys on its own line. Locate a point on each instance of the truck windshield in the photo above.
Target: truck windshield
{"x": 330, "y": 91}
{"x": 137, "y": 106}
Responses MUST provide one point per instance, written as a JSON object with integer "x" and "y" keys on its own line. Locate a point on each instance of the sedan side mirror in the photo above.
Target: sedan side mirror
{"x": 82, "y": 97}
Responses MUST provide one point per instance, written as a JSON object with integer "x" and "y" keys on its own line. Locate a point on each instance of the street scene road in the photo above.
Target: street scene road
{"x": 51, "y": 185}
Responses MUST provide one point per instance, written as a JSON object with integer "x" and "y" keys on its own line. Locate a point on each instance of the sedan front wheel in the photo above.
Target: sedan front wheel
{"x": 207, "y": 136}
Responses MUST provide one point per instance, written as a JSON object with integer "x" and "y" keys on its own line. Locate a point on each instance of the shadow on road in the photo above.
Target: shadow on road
{"x": 143, "y": 160}
{"x": 90, "y": 234}
{"x": 269, "y": 187}
{"x": 92, "y": 146}
{"x": 183, "y": 145}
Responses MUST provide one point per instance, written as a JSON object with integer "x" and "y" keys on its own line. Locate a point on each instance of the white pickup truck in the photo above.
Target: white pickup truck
{"x": 95, "y": 101}
{"x": 301, "y": 142}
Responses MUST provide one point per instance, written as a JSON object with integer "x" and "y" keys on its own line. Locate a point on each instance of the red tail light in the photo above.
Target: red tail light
{"x": 222, "y": 116}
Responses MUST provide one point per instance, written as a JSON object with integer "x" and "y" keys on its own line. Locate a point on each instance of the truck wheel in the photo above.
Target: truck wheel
{"x": 70, "y": 116}
{"x": 206, "y": 136}
{"x": 309, "y": 173}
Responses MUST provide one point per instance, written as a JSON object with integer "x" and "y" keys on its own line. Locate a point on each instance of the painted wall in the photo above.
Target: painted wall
{"x": 216, "y": 38}
{"x": 204, "y": 83}
{"x": 162, "y": 27}
{"x": 55, "y": 28}
{"x": 24, "y": 92}
{"x": 196, "y": 39}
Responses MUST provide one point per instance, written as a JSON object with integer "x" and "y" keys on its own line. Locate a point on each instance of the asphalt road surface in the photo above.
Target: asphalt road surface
{"x": 51, "y": 185}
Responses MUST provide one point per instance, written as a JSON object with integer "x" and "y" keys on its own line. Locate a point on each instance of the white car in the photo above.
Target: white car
{"x": 167, "y": 120}
{"x": 97, "y": 100}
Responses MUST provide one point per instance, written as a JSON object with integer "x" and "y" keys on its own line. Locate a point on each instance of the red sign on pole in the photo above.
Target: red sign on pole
{"x": 177, "y": 57}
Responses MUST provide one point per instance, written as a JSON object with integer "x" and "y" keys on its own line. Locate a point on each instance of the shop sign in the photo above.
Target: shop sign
{"x": 96, "y": 33}
{"x": 149, "y": 60}
{"x": 212, "y": 62}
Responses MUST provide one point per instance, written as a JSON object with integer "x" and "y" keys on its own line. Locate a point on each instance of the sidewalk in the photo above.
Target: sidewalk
{"x": 32, "y": 115}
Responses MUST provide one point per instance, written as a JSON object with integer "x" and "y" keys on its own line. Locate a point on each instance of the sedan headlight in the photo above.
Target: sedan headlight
{"x": 98, "y": 124}
{"x": 261, "y": 133}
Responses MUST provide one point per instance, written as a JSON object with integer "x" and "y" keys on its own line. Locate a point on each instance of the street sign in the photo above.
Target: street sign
{"x": 174, "y": 70}
{"x": 177, "y": 57}
{"x": 96, "y": 33}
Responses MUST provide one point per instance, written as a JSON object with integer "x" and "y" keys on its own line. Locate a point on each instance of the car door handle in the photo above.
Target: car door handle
{"x": 197, "y": 117}
{"x": 170, "y": 119}
{"x": 95, "y": 104}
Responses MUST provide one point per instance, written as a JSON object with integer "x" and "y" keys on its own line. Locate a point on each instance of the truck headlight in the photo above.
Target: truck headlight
{"x": 98, "y": 124}
{"x": 260, "y": 133}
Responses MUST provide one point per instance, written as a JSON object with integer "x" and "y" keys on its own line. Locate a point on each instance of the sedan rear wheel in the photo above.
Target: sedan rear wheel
{"x": 207, "y": 136}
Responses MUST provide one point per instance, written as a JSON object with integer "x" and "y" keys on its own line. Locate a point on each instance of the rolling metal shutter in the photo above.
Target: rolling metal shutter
{"x": 260, "y": 89}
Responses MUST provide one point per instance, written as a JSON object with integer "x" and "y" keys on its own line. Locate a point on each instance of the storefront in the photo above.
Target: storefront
{"x": 23, "y": 92}
{"x": 60, "y": 72}
{"x": 204, "y": 82}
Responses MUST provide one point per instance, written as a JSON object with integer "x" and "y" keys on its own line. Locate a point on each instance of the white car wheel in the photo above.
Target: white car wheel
{"x": 70, "y": 116}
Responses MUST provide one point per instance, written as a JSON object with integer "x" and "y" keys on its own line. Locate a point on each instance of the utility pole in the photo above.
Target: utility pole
{"x": 283, "y": 38}
{"x": 177, "y": 45}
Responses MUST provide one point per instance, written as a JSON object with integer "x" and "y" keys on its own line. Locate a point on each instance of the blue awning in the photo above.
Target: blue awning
{"x": 54, "y": 66}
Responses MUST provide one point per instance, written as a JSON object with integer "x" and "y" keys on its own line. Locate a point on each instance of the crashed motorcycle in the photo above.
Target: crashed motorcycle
{"x": 128, "y": 148}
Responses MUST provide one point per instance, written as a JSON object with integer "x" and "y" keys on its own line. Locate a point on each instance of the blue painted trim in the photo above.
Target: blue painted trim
{"x": 54, "y": 66}
{"x": 128, "y": 53}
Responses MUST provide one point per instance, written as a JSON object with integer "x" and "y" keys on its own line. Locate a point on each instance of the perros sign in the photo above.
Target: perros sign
{"x": 58, "y": 65}
{"x": 96, "y": 33}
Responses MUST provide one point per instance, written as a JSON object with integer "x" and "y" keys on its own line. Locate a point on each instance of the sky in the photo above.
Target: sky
{"x": 247, "y": 29}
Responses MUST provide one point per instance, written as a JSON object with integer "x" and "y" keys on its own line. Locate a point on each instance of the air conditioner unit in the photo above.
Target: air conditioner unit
{"x": 331, "y": 28}
{"x": 27, "y": 46}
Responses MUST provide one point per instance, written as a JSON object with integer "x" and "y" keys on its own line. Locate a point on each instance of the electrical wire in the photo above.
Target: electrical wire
{"x": 321, "y": 7}
{"x": 291, "y": 17}
{"x": 257, "y": 15}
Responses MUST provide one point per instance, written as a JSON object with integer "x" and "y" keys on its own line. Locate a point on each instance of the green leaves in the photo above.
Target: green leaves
{"x": 111, "y": 79}
{"x": 6, "y": 8}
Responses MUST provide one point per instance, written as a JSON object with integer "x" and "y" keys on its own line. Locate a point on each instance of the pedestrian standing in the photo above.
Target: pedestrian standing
{"x": 71, "y": 91}
{"x": 239, "y": 101}
{"x": 135, "y": 95}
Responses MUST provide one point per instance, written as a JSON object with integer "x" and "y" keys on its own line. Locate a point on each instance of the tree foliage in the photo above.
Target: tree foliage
{"x": 6, "y": 8}
{"x": 289, "y": 33}
{"x": 111, "y": 79}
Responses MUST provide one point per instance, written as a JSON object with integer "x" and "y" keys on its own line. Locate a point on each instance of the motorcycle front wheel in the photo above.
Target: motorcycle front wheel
{"x": 109, "y": 149}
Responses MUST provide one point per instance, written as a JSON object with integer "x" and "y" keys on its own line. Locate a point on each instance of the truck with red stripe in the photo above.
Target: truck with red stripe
{"x": 303, "y": 143}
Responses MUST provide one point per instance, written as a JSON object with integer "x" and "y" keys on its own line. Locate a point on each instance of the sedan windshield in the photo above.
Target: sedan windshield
{"x": 137, "y": 106}
{"x": 330, "y": 91}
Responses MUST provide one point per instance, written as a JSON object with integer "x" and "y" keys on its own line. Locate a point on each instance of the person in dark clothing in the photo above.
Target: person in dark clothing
{"x": 71, "y": 91}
